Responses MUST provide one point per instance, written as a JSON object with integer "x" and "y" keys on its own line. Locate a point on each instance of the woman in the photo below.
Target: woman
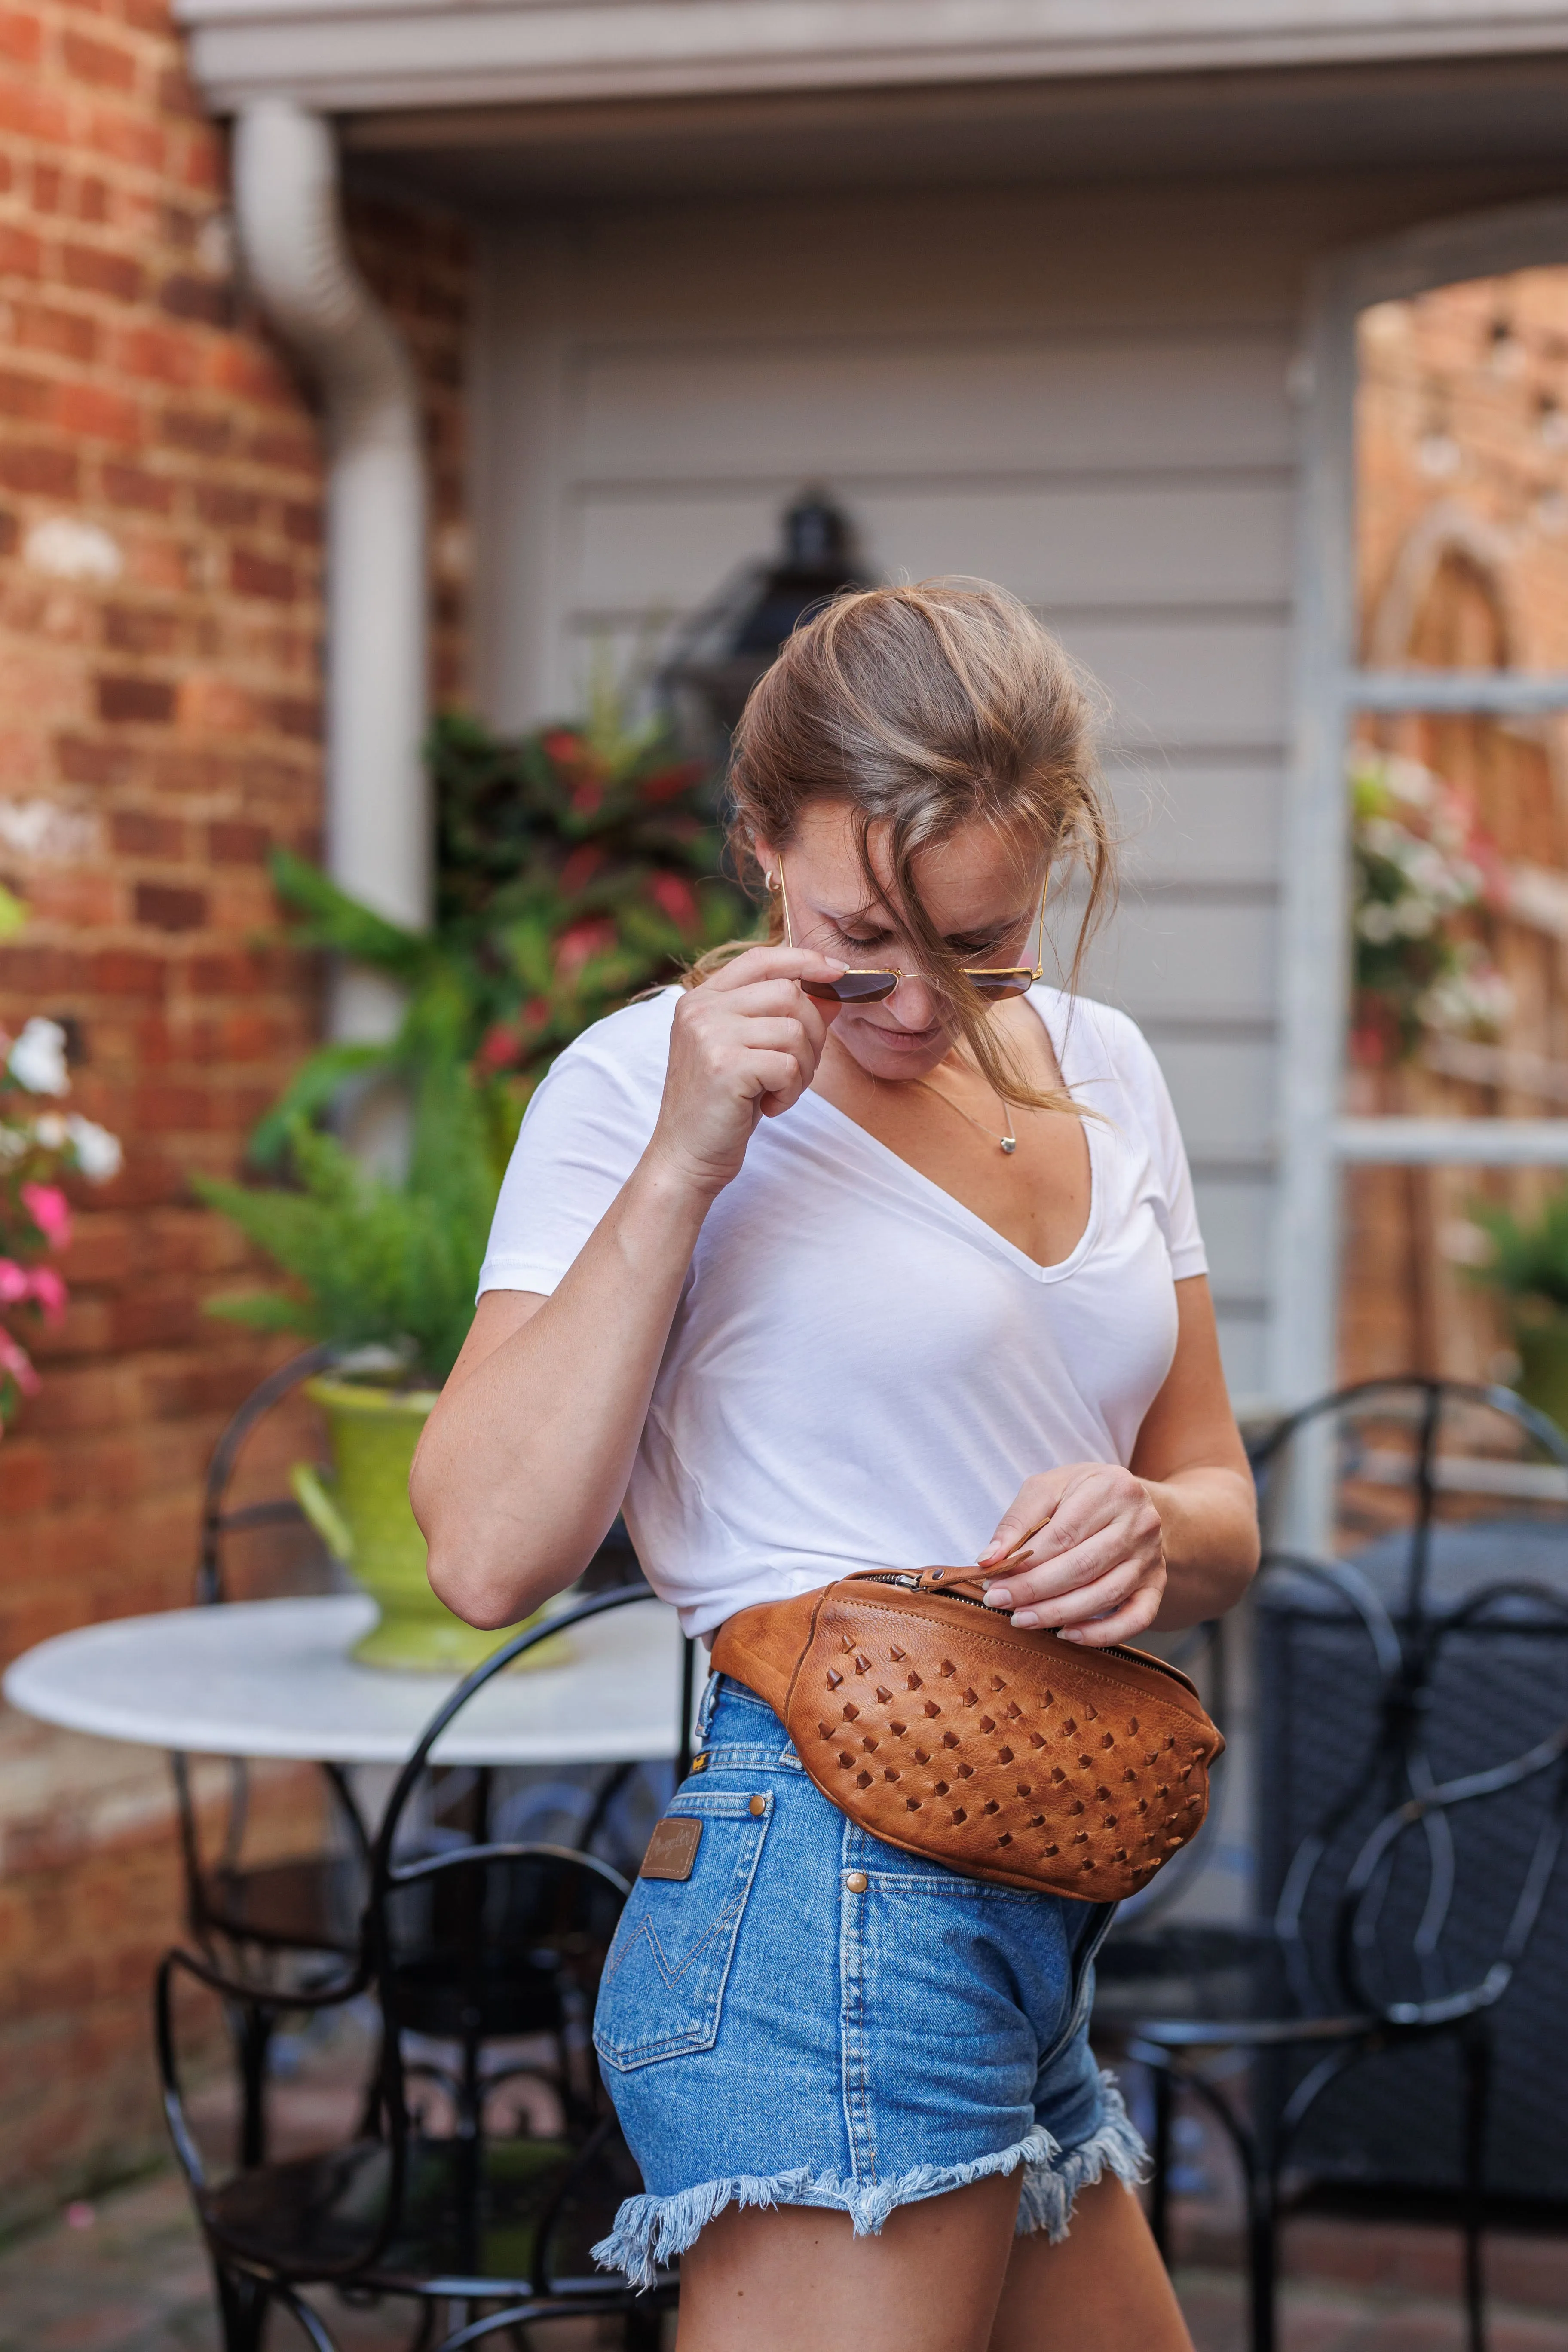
{"x": 819, "y": 1271}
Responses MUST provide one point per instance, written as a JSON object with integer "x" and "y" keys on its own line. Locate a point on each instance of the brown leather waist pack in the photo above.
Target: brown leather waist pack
{"x": 937, "y": 1724}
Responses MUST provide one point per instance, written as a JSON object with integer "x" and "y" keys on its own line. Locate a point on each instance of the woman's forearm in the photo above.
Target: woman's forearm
{"x": 526, "y": 1457}
{"x": 1208, "y": 1523}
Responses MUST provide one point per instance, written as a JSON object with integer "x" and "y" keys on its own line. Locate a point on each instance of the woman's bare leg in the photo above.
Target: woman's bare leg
{"x": 1103, "y": 2289}
{"x": 796, "y": 2278}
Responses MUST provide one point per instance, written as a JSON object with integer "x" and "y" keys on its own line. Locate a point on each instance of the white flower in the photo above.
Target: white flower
{"x": 37, "y": 1059}
{"x": 15, "y": 1141}
{"x": 1377, "y": 922}
{"x": 51, "y": 1130}
{"x": 98, "y": 1153}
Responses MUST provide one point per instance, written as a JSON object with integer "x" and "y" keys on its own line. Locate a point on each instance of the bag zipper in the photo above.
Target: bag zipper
{"x": 1113, "y": 1649}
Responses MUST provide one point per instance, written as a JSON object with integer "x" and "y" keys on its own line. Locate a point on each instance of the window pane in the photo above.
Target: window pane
{"x": 1462, "y": 477}
{"x": 1459, "y": 823}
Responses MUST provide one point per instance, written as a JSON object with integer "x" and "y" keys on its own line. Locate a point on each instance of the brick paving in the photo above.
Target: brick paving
{"x": 134, "y": 2279}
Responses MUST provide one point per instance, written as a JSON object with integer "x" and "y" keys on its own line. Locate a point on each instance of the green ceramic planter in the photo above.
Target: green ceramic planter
{"x": 1543, "y": 1366}
{"x": 362, "y": 1515}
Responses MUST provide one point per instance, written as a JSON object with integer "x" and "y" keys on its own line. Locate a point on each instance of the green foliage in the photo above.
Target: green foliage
{"x": 372, "y": 1263}
{"x": 1530, "y": 1259}
{"x": 577, "y": 865}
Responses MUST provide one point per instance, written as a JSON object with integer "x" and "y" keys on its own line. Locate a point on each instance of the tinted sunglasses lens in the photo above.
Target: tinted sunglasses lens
{"x": 853, "y": 987}
{"x": 994, "y": 985}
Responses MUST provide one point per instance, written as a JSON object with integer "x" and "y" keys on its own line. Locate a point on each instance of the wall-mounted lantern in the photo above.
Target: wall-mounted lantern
{"x": 721, "y": 654}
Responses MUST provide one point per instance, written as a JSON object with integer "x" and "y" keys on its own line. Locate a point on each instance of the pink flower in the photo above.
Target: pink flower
{"x": 51, "y": 1212}
{"x": 15, "y": 1283}
{"x": 17, "y": 1365}
{"x": 48, "y": 1291}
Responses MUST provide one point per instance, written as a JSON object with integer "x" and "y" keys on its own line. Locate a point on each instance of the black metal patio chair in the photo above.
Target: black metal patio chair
{"x": 484, "y": 1958}
{"x": 294, "y": 1917}
{"x": 1412, "y": 1661}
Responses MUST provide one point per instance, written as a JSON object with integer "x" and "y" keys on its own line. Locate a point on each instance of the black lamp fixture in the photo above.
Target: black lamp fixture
{"x": 721, "y": 654}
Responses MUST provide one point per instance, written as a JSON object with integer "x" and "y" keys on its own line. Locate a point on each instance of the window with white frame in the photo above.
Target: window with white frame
{"x": 1424, "y": 1050}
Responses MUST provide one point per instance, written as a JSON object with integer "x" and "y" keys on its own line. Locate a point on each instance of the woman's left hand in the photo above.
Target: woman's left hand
{"x": 1080, "y": 1549}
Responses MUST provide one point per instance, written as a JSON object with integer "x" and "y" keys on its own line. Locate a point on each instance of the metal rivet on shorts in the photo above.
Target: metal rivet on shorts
{"x": 759, "y": 1805}
{"x": 857, "y": 1881}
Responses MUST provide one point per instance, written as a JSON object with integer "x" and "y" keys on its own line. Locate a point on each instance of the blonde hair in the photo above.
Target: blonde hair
{"x": 923, "y": 710}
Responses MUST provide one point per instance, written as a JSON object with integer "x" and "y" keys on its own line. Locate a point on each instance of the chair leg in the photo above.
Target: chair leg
{"x": 253, "y": 2037}
{"x": 644, "y": 2327}
{"x": 242, "y": 2310}
{"x": 1476, "y": 2057}
{"x": 1263, "y": 2224}
{"x": 1160, "y": 2181}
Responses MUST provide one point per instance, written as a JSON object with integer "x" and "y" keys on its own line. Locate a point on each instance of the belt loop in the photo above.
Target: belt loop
{"x": 710, "y": 1701}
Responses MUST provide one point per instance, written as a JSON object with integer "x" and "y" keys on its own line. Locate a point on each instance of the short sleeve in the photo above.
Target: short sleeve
{"x": 1141, "y": 1082}
{"x": 584, "y": 1132}
{"x": 1183, "y": 1237}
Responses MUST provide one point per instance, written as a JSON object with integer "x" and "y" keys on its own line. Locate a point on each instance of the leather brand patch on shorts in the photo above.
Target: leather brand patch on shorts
{"x": 672, "y": 1849}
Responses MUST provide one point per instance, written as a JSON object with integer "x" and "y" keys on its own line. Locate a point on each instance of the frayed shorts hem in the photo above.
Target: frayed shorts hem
{"x": 651, "y": 2231}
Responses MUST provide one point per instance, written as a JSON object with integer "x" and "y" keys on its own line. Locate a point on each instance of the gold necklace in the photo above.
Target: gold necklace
{"x": 1009, "y": 1141}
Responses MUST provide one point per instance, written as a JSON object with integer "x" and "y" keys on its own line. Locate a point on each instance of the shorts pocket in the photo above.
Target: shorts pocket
{"x": 663, "y": 1987}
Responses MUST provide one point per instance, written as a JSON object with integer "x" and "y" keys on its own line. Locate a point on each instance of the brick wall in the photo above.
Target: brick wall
{"x": 160, "y": 723}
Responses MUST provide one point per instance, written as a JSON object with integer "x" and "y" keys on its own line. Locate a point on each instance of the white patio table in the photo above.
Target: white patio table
{"x": 274, "y": 1679}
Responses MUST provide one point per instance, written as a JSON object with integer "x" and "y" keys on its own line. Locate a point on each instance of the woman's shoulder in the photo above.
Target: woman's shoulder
{"x": 631, "y": 1045}
{"x": 1095, "y": 1043}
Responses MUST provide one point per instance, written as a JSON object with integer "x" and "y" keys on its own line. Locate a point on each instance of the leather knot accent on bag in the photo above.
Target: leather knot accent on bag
{"x": 997, "y": 1750}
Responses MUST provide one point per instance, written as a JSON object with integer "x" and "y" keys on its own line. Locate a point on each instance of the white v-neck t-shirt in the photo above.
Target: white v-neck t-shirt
{"x": 861, "y": 1372}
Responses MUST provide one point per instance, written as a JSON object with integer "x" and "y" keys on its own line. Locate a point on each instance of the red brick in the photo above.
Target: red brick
{"x": 84, "y": 759}
{"x": 227, "y": 506}
{"x": 160, "y": 354}
{"x": 21, "y": 36}
{"x": 105, "y": 64}
{"x": 43, "y": 327}
{"x": 140, "y": 629}
{"x": 31, "y": 397}
{"x": 231, "y": 842}
{"x": 208, "y": 436}
{"x": 133, "y": 485}
{"x": 93, "y": 408}
{"x": 98, "y": 272}
{"x": 34, "y": 113}
{"x": 139, "y": 700}
{"x": 137, "y": 833}
{"x": 39, "y": 469}
{"x": 259, "y": 575}
{"x": 21, "y": 253}
{"x": 129, "y": 972}
{"x": 166, "y": 907}
{"x": 185, "y": 297}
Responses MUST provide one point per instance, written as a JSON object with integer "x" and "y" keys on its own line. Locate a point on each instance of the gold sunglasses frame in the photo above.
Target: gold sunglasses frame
{"x": 826, "y": 991}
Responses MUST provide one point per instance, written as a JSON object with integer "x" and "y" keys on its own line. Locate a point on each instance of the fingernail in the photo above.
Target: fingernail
{"x": 1027, "y": 1617}
{"x": 1066, "y": 1634}
{"x": 991, "y": 1551}
{"x": 834, "y": 965}
{"x": 998, "y": 1597}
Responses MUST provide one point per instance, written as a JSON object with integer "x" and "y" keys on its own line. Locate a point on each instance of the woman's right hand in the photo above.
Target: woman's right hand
{"x": 744, "y": 1045}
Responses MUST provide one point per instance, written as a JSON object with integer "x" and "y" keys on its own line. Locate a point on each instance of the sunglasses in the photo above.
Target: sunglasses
{"x": 993, "y": 982}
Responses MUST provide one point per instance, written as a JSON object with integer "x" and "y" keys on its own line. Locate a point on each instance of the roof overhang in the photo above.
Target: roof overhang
{"x": 357, "y": 57}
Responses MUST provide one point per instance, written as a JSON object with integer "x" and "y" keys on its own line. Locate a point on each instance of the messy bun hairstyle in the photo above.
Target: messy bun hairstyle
{"x": 926, "y": 709}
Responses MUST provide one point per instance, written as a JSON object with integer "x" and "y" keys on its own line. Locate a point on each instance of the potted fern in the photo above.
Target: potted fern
{"x": 1529, "y": 1264}
{"x": 385, "y": 1273}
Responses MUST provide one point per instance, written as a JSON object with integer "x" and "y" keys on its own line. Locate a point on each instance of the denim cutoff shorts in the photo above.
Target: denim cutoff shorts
{"x": 813, "y": 2018}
